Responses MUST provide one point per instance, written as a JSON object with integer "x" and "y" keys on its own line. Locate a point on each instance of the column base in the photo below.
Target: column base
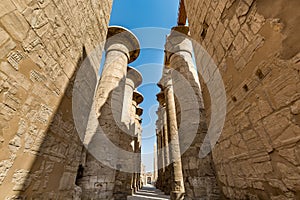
{"x": 130, "y": 192}
{"x": 176, "y": 195}
{"x": 120, "y": 196}
{"x": 135, "y": 190}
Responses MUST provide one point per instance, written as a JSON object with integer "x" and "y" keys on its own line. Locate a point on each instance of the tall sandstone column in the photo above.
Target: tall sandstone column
{"x": 160, "y": 150}
{"x": 167, "y": 174}
{"x": 165, "y": 143}
{"x": 123, "y": 184}
{"x": 158, "y": 154}
{"x": 177, "y": 186}
{"x": 133, "y": 80}
{"x": 199, "y": 176}
{"x": 122, "y": 47}
{"x": 136, "y": 112}
{"x": 139, "y": 112}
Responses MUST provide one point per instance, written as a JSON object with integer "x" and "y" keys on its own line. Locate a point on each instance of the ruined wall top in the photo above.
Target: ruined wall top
{"x": 182, "y": 17}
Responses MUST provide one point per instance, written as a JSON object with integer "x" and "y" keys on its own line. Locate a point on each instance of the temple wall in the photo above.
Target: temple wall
{"x": 42, "y": 43}
{"x": 255, "y": 45}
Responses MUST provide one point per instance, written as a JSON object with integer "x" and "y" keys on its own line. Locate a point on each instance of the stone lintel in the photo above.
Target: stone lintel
{"x": 119, "y": 37}
{"x": 134, "y": 76}
{"x": 180, "y": 29}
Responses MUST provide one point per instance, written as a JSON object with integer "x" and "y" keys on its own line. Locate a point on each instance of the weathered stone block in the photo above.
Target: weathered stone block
{"x": 21, "y": 180}
{"x": 291, "y": 175}
{"x": 256, "y": 21}
{"x": 6, "y": 7}
{"x": 240, "y": 42}
{"x": 242, "y": 8}
{"x": 234, "y": 25}
{"x": 295, "y": 108}
{"x": 277, "y": 184}
{"x": 16, "y": 25}
{"x": 273, "y": 128}
{"x": 289, "y": 136}
{"x": 227, "y": 39}
{"x": 3, "y": 36}
{"x": 249, "y": 134}
{"x": 6, "y": 48}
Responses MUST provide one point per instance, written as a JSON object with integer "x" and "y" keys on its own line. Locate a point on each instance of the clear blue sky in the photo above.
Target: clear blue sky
{"x": 138, "y": 16}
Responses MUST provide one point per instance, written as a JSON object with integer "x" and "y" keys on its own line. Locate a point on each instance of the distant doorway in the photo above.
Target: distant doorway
{"x": 149, "y": 180}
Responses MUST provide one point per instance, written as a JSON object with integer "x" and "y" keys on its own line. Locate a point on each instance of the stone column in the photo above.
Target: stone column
{"x": 122, "y": 47}
{"x": 203, "y": 183}
{"x": 160, "y": 150}
{"x": 158, "y": 142}
{"x": 177, "y": 185}
{"x": 138, "y": 98}
{"x": 139, "y": 112}
{"x": 134, "y": 184}
{"x": 133, "y": 80}
{"x": 155, "y": 171}
{"x": 165, "y": 149}
{"x": 166, "y": 136}
{"x": 161, "y": 100}
{"x": 162, "y": 146}
{"x": 166, "y": 175}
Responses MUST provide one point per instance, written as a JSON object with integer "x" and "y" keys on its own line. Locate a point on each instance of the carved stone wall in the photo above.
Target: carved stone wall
{"x": 255, "y": 45}
{"x": 41, "y": 45}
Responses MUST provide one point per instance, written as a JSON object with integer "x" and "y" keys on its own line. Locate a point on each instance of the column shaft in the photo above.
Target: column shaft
{"x": 166, "y": 137}
{"x": 177, "y": 184}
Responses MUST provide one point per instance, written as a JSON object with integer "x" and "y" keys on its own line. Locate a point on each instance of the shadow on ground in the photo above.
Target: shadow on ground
{"x": 149, "y": 192}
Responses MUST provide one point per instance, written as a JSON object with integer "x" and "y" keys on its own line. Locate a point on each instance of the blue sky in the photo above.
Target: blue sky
{"x": 150, "y": 21}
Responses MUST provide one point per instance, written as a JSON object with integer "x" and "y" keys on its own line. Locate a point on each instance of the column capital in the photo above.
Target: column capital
{"x": 138, "y": 97}
{"x": 161, "y": 98}
{"x": 166, "y": 80}
{"x": 139, "y": 111}
{"x": 121, "y": 39}
{"x": 133, "y": 77}
{"x": 177, "y": 41}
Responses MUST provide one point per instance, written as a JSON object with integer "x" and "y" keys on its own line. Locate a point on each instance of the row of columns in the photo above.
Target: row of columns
{"x": 170, "y": 177}
{"x": 119, "y": 117}
{"x": 177, "y": 119}
{"x": 127, "y": 183}
{"x": 163, "y": 159}
{"x": 137, "y": 182}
